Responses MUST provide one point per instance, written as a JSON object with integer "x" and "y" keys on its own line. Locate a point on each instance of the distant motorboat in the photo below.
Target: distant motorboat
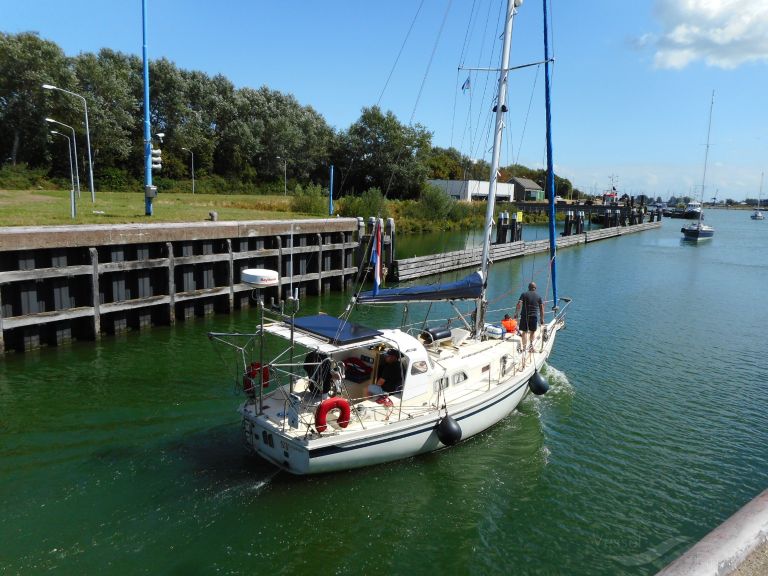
{"x": 692, "y": 210}
{"x": 697, "y": 231}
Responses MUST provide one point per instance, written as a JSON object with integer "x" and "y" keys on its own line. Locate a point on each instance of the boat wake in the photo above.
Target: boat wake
{"x": 246, "y": 488}
{"x": 558, "y": 382}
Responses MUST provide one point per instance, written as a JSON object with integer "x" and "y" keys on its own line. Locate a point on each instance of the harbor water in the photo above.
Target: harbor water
{"x": 125, "y": 456}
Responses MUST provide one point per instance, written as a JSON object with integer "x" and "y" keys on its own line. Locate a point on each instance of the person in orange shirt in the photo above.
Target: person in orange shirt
{"x": 509, "y": 324}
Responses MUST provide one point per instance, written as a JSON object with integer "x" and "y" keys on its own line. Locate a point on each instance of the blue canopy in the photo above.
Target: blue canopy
{"x": 338, "y": 332}
{"x": 469, "y": 288}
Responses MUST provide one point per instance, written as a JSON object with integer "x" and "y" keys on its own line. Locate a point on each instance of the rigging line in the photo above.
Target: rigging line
{"x": 474, "y": 142}
{"x": 470, "y": 25}
{"x": 530, "y": 103}
{"x": 421, "y": 90}
{"x": 552, "y": 34}
{"x": 431, "y": 59}
{"x": 400, "y": 53}
{"x": 468, "y": 123}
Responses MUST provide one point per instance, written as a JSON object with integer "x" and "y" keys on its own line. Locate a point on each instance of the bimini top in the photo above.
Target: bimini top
{"x": 336, "y": 331}
{"x": 468, "y": 288}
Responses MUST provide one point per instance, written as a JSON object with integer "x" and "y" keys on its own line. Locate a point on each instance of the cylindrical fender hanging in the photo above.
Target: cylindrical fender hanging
{"x": 251, "y": 374}
{"x": 321, "y": 416}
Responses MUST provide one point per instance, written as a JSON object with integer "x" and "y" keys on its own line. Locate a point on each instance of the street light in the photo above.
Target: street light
{"x": 285, "y": 175}
{"x": 72, "y": 208}
{"x": 87, "y": 137}
{"x": 192, "y": 155}
{"x": 74, "y": 144}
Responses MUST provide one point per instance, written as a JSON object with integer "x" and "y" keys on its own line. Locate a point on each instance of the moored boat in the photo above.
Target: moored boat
{"x": 757, "y": 214}
{"x": 698, "y": 230}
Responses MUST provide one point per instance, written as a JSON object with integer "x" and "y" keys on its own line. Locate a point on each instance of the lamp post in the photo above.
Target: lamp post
{"x": 72, "y": 207}
{"x": 74, "y": 145}
{"x": 87, "y": 136}
{"x": 192, "y": 159}
{"x": 285, "y": 175}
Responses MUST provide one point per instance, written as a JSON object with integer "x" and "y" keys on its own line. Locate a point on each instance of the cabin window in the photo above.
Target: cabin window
{"x": 419, "y": 367}
{"x": 459, "y": 378}
{"x": 441, "y": 384}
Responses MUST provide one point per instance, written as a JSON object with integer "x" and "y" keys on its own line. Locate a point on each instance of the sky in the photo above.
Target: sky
{"x": 632, "y": 81}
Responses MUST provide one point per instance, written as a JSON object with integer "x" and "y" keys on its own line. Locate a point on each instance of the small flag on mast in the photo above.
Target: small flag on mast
{"x": 466, "y": 85}
{"x": 376, "y": 257}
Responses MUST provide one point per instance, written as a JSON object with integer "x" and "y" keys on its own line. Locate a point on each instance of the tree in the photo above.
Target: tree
{"x": 447, "y": 164}
{"x": 111, "y": 83}
{"x": 381, "y": 152}
{"x": 26, "y": 63}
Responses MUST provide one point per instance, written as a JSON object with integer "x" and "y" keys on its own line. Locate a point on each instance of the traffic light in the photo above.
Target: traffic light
{"x": 157, "y": 161}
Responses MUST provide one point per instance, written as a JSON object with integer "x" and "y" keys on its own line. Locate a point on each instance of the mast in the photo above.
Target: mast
{"x": 501, "y": 108}
{"x": 706, "y": 157}
{"x": 550, "y": 167}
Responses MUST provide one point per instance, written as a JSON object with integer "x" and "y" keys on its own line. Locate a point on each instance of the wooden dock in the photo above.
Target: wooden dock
{"x": 409, "y": 268}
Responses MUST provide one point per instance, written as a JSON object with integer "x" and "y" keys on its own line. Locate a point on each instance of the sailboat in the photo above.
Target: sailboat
{"x": 698, "y": 230}
{"x": 311, "y": 409}
{"x": 757, "y": 214}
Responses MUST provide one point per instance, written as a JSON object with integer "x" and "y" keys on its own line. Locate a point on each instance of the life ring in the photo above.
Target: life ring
{"x": 251, "y": 374}
{"x": 321, "y": 423}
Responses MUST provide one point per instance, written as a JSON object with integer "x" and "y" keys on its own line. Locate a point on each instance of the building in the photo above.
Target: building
{"x": 516, "y": 190}
{"x": 527, "y": 190}
{"x": 470, "y": 190}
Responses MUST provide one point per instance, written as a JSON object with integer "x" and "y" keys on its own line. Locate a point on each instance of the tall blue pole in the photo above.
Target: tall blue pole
{"x": 550, "y": 167}
{"x": 147, "y": 134}
{"x": 330, "y": 195}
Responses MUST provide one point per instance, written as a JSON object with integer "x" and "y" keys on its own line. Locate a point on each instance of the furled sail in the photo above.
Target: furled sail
{"x": 468, "y": 288}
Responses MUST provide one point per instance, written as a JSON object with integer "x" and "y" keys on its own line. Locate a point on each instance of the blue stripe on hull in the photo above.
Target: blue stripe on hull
{"x": 424, "y": 428}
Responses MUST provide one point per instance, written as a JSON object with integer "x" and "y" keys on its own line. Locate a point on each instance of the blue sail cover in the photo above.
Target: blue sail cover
{"x": 468, "y": 288}
{"x": 336, "y": 331}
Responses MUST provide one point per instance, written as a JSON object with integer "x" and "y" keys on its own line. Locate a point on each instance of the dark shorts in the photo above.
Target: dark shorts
{"x": 529, "y": 324}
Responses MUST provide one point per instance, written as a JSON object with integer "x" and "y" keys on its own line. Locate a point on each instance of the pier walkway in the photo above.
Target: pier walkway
{"x": 409, "y": 268}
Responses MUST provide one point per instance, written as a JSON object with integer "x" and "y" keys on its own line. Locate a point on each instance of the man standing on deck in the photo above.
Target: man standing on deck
{"x": 532, "y": 307}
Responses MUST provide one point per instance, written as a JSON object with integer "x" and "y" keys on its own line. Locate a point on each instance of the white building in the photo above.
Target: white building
{"x": 469, "y": 190}
{"x": 518, "y": 189}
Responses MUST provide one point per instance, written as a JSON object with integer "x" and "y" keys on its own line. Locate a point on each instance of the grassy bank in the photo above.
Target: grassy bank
{"x": 44, "y": 207}
{"x": 51, "y": 207}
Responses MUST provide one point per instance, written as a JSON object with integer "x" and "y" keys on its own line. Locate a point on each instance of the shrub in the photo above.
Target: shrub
{"x": 117, "y": 180}
{"x": 369, "y": 203}
{"x": 435, "y": 204}
{"x": 309, "y": 201}
{"x": 22, "y": 177}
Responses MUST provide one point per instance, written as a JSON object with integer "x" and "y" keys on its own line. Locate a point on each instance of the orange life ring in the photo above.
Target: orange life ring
{"x": 251, "y": 374}
{"x": 321, "y": 424}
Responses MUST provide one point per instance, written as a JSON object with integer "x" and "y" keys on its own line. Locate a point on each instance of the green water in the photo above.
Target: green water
{"x": 124, "y": 457}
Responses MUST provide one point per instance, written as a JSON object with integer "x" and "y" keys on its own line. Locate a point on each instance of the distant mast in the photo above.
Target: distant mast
{"x": 500, "y": 109}
{"x": 706, "y": 158}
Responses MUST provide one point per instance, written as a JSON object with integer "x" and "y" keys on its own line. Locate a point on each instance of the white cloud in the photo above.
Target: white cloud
{"x": 722, "y": 33}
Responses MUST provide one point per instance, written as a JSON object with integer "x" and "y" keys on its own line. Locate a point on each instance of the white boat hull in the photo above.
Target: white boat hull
{"x": 400, "y": 440}
{"x": 347, "y": 449}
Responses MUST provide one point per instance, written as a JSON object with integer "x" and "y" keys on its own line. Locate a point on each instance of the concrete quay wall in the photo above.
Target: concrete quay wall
{"x": 59, "y": 283}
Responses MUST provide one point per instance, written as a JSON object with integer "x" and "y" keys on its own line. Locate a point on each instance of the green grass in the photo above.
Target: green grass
{"x": 51, "y": 207}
